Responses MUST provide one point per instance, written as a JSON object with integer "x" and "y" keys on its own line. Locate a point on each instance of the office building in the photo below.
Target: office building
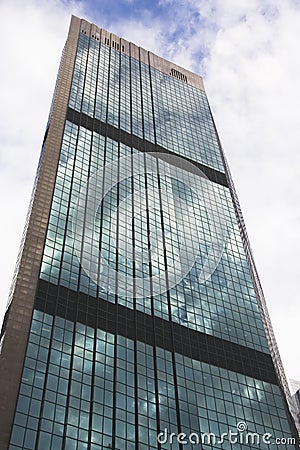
{"x": 295, "y": 408}
{"x": 136, "y": 312}
{"x": 296, "y": 398}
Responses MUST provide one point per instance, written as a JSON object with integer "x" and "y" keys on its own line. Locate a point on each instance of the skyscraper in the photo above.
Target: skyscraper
{"x": 296, "y": 398}
{"x": 136, "y": 319}
{"x": 295, "y": 390}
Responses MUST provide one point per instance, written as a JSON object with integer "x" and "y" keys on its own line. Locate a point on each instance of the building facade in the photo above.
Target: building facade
{"x": 297, "y": 399}
{"x": 136, "y": 319}
{"x": 295, "y": 390}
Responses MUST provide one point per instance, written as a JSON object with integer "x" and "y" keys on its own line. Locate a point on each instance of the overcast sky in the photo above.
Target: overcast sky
{"x": 247, "y": 52}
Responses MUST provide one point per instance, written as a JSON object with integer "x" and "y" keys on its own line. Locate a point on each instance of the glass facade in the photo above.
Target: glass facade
{"x": 224, "y": 306}
{"x": 147, "y": 103}
{"x": 147, "y": 330}
{"x": 86, "y": 388}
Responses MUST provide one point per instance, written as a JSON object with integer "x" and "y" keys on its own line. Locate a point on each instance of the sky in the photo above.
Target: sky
{"x": 246, "y": 51}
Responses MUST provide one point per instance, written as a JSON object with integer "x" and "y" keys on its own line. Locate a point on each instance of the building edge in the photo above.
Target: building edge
{"x": 16, "y": 324}
{"x": 279, "y": 369}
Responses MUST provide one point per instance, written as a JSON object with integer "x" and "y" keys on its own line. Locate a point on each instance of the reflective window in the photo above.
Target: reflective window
{"x": 223, "y": 305}
{"x": 79, "y": 386}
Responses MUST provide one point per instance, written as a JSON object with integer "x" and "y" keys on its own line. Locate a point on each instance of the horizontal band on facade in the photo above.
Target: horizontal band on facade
{"x": 131, "y": 140}
{"x": 152, "y": 330}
